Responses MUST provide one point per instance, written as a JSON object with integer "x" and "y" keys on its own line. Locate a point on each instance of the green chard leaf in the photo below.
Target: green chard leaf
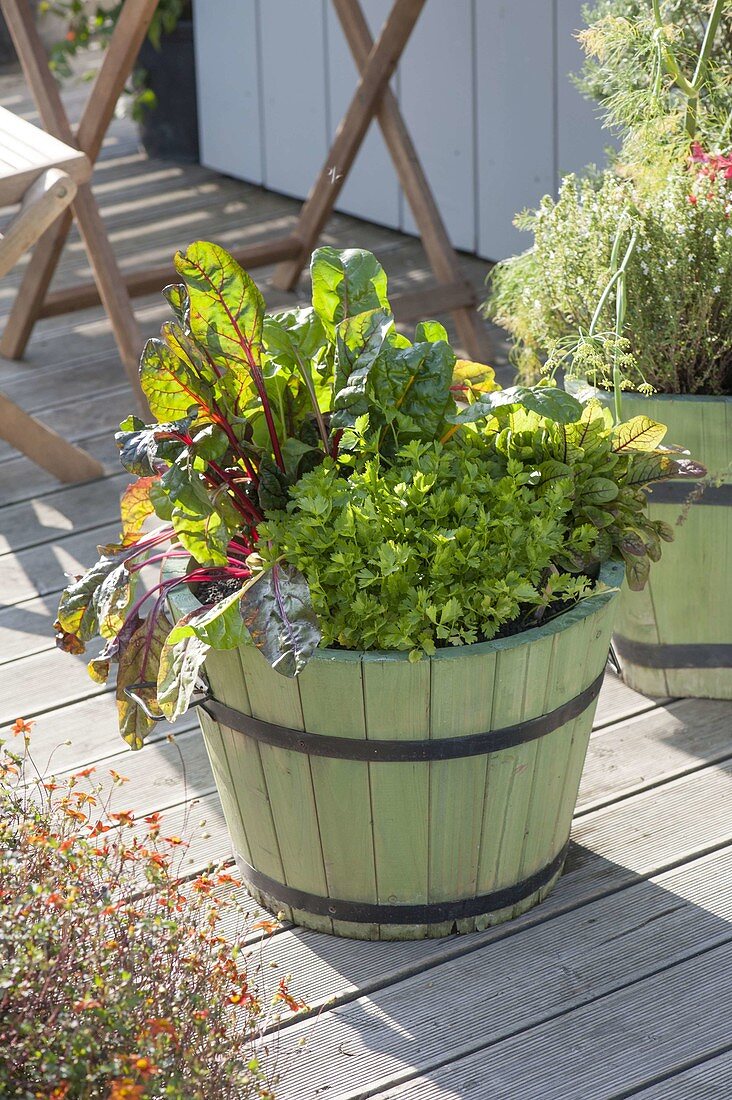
{"x": 176, "y": 296}
{"x": 226, "y": 311}
{"x": 147, "y": 450}
{"x": 219, "y": 626}
{"x": 359, "y": 342}
{"x": 408, "y": 390}
{"x": 169, "y": 383}
{"x": 203, "y": 521}
{"x": 548, "y": 401}
{"x": 278, "y": 613}
{"x": 346, "y": 283}
{"x": 430, "y": 332}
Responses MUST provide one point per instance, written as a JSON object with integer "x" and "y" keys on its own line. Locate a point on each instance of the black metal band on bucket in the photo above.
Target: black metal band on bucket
{"x": 678, "y": 492}
{"x": 366, "y": 912}
{"x": 673, "y": 656}
{"x": 441, "y": 748}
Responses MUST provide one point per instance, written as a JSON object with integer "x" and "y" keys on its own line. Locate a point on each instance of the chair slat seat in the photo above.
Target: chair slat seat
{"x": 27, "y": 152}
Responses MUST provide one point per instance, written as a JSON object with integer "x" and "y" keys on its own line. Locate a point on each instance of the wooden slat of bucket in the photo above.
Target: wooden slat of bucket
{"x": 332, "y": 703}
{"x": 276, "y": 698}
{"x": 503, "y": 774}
{"x": 397, "y": 700}
{"x": 242, "y": 758}
{"x": 461, "y": 702}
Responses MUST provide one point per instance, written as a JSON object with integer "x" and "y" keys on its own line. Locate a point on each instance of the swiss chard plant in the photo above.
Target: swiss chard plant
{"x": 325, "y": 480}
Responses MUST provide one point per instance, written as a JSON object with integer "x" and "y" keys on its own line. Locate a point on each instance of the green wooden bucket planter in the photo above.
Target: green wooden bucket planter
{"x": 381, "y": 799}
{"x": 675, "y": 637}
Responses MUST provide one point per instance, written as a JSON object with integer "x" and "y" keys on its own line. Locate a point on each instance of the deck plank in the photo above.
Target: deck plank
{"x": 707, "y": 1080}
{"x": 610, "y": 853}
{"x": 517, "y": 984}
{"x": 603, "y": 1051}
{"x": 70, "y": 510}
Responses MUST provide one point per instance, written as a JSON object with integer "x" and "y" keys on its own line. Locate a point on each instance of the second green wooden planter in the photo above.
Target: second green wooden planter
{"x": 675, "y": 637}
{"x": 377, "y": 798}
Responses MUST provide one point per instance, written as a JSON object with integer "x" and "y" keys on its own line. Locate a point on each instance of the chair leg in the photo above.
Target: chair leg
{"x": 435, "y": 239}
{"x": 45, "y": 447}
{"x": 128, "y": 36}
{"x": 375, "y": 76}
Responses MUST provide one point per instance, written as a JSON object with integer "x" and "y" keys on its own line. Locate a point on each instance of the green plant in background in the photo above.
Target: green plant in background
{"x": 687, "y": 20}
{"x": 662, "y": 74}
{"x": 667, "y": 89}
{"x": 344, "y": 484}
{"x": 677, "y": 336}
{"x": 88, "y": 24}
{"x": 114, "y": 980}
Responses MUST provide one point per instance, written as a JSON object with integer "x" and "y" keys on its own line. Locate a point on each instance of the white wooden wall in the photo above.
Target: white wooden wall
{"x": 484, "y": 86}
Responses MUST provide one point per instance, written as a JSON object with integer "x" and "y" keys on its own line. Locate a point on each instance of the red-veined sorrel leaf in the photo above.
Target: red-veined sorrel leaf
{"x": 639, "y": 434}
{"x": 279, "y": 616}
{"x": 637, "y": 571}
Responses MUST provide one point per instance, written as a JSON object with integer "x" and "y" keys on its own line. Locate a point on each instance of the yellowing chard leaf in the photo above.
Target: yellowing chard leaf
{"x": 180, "y": 665}
{"x": 478, "y": 377}
{"x": 135, "y": 508}
{"x": 112, "y": 599}
{"x": 139, "y": 661}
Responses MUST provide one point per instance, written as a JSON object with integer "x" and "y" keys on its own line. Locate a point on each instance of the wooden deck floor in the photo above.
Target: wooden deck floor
{"x": 617, "y": 986}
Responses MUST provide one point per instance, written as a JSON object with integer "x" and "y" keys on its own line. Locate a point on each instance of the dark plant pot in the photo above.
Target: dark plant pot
{"x": 375, "y": 798}
{"x": 7, "y": 50}
{"x": 170, "y": 129}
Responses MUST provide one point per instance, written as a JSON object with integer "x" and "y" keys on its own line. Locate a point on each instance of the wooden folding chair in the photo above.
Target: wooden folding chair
{"x": 41, "y": 174}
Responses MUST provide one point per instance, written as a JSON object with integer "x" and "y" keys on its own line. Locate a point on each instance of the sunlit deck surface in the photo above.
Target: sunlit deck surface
{"x": 618, "y": 985}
